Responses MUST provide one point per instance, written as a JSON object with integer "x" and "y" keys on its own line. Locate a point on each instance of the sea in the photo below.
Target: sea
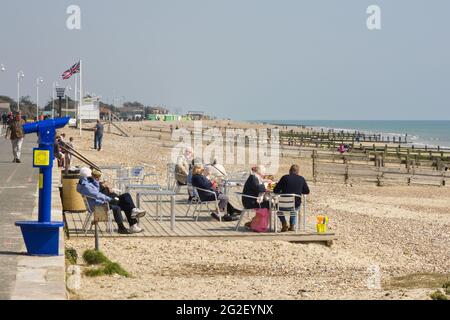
{"x": 431, "y": 133}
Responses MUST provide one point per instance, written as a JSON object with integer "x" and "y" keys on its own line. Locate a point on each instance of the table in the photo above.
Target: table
{"x": 225, "y": 184}
{"x": 159, "y": 194}
{"x": 129, "y": 187}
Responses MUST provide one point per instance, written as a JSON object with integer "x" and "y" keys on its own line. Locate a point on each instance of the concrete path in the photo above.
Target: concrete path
{"x": 24, "y": 277}
{"x": 18, "y": 187}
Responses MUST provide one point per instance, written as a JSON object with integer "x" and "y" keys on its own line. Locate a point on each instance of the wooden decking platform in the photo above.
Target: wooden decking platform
{"x": 187, "y": 228}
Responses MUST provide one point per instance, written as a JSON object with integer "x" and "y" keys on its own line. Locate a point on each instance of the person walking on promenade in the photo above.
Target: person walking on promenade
{"x": 5, "y": 120}
{"x": 98, "y": 136}
{"x": 16, "y": 134}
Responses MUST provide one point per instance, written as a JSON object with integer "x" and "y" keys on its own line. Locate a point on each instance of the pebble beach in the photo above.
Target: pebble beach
{"x": 401, "y": 233}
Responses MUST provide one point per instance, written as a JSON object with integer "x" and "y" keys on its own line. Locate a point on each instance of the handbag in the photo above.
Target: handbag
{"x": 260, "y": 222}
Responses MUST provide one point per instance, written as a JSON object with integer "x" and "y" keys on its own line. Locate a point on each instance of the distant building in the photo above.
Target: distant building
{"x": 104, "y": 113}
{"x": 131, "y": 114}
{"x": 5, "y": 107}
{"x": 158, "y": 110}
{"x": 196, "y": 115}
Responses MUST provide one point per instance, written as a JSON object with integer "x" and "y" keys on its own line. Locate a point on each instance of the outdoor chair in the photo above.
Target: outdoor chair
{"x": 194, "y": 198}
{"x": 285, "y": 203}
{"x": 244, "y": 211}
{"x": 132, "y": 175}
{"x": 172, "y": 181}
{"x": 97, "y": 210}
{"x": 199, "y": 204}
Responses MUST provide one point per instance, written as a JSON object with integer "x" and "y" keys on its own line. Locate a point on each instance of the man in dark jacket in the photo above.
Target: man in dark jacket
{"x": 98, "y": 136}
{"x": 292, "y": 183}
{"x": 16, "y": 134}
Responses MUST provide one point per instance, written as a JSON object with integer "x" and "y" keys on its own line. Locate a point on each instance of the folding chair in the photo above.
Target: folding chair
{"x": 201, "y": 203}
{"x": 194, "y": 198}
{"x": 171, "y": 181}
{"x": 152, "y": 174}
{"x": 286, "y": 203}
{"x": 132, "y": 175}
{"x": 244, "y": 211}
{"x": 97, "y": 209}
{"x": 176, "y": 187}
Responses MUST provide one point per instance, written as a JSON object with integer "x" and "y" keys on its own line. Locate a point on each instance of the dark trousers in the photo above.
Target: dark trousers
{"x": 126, "y": 205}
{"x": 98, "y": 141}
{"x": 223, "y": 202}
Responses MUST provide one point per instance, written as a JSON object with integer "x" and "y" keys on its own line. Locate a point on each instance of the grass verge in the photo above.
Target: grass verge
{"x": 104, "y": 266}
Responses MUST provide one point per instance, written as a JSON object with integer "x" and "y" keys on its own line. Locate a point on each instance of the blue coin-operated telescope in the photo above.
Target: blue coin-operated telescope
{"x": 42, "y": 237}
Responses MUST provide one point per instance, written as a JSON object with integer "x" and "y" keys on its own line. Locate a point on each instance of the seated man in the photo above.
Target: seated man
{"x": 90, "y": 186}
{"x": 292, "y": 183}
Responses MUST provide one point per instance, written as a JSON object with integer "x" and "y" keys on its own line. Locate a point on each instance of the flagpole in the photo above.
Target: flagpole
{"x": 81, "y": 93}
{"x": 75, "y": 99}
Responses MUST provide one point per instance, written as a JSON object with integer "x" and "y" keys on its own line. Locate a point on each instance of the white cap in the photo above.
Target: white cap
{"x": 85, "y": 172}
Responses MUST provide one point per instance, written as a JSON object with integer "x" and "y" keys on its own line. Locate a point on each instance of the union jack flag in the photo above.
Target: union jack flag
{"x": 74, "y": 69}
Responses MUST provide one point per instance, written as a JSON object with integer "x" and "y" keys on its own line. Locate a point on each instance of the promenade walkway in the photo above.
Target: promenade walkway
{"x": 18, "y": 188}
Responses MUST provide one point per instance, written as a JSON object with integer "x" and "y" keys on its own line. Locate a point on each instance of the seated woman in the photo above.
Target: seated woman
{"x": 292, "y": 183}
{"x": 89, "y": 186}
{"x": 254, "y": 187}
{"x": 216, "y": 170}
{"x": 199, "y": 180}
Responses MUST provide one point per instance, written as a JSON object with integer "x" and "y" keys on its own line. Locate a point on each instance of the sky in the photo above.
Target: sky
{"x": 247, "y": 59}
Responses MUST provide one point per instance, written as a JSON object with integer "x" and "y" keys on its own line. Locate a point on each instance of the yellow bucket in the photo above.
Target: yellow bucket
{"x": 321, "y": 228}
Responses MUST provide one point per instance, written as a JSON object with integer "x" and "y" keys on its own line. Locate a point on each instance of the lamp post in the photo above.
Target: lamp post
{"x": 2, "y": 67}
{"x": 68, "y": 88}
{"x": 60, "y": 94}
{"x": 55, "y": 84}
{"x": 20, "y": 75}
{"x": 38, "y": 81}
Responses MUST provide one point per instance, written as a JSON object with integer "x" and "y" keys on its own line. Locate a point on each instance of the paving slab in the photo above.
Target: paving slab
{"x": 24, "y": 277}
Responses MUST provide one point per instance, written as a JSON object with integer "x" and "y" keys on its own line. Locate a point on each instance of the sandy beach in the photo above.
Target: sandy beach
{"x": 402, "y": 231}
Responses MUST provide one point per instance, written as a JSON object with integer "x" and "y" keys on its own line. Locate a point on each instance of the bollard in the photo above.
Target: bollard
{"x": 42, "y": 237}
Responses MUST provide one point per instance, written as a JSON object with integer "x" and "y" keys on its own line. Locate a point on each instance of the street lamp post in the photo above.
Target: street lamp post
{"x": 2, "y": 67}
{"x": 38, "y": 81}
{"x": 55, "y": 84}
{"x": 60, "y": 92}
{"x": 68, "y": 88}
{"x": 20, "y": 75}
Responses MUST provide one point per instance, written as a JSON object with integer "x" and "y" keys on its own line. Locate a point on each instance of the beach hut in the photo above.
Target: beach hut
{"x": 171, "y": 117}
{"x": 152, "y": 117}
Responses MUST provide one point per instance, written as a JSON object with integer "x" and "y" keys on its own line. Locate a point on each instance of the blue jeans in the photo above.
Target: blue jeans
{"x": 293, "y": 218}
{"x": 98, "y": 141}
